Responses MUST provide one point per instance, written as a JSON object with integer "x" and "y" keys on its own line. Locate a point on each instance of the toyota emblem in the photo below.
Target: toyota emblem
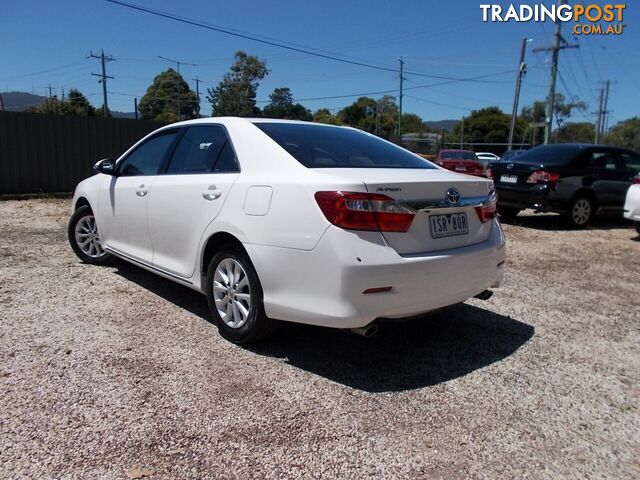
{"x": 453, "y": 196}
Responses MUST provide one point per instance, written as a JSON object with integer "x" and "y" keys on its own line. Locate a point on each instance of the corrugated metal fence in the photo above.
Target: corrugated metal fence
{"x": 52, "y": 153}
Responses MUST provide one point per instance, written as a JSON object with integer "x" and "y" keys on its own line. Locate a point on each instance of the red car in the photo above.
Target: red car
{"x": 461, "y": 161}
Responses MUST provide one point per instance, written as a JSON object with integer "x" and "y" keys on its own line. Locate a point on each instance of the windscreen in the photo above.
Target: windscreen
{"x": 317, "y": 146}
{"x": 458, "y": 155}
{"x": 550, "y": 155}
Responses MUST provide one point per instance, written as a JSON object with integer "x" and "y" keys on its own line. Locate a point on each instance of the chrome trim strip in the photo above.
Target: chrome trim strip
{"x": 147, "y": 266}
{"x": 425, "y": 205}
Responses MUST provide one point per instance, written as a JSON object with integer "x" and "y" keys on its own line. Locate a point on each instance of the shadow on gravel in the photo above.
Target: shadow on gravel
{"x": 554, "y": 222}
{"x": 402, "y": 356}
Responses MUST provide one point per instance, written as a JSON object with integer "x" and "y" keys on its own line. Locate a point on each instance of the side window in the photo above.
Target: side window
{"x": 200, "y": 150}
{"x": 226, "y": 160}
{"x": 631, "y": 162}
{"x": 603, "y": 160}
{"x": 146, "y": 159}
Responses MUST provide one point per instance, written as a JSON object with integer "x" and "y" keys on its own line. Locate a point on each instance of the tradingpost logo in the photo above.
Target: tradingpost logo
{"x": 587, "y": 19}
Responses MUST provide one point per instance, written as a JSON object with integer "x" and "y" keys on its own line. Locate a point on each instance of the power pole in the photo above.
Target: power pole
{"x": 50, "y": 89}
{"x": 103, "y": 77}
{"x": 558, "y": 44}
{"x": 599, "y": 120}
{"x": 462, "y": 133}
{"x": 135, "y": 107}
{"x": 401, "y": 95}
{"x": 522, "y": 70}
{"x": 178, "y": 63}
{"x": 198, "y": 82}
{"x": 605, "y": 112}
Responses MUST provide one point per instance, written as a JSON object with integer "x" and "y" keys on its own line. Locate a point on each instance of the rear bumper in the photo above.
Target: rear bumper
{"x": 538, "y": 197}
{"x": 325, "y": 286}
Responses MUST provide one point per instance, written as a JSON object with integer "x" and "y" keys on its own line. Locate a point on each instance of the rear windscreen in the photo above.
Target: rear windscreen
{"x": 458, "y": 156}
{"x": 318, "y": 146}
{"x": 550, "y": 155}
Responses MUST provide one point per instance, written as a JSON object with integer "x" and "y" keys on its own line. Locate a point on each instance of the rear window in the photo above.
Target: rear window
{"x": 317, "y": 146}
{"x": 459, "y": 155}
{"x": 550, "y": 155}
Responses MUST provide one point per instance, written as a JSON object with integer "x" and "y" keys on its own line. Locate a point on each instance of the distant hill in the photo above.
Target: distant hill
{"x": 18, "y": 101}
{"x": 442, "y": 124}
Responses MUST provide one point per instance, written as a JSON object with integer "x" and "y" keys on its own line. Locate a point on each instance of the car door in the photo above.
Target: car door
{"x": 122, "y": 203}
{"x": 607, "y": 177}
{"x": 189, "y": 195}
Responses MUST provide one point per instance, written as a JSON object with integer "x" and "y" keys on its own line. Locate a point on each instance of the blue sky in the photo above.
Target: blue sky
{"x": 46, "y": 42}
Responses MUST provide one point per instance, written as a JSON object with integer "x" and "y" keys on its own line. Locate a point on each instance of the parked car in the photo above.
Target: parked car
{"x": 485, "y": 159}
{"x": 487, "y": 156}
{"x": 461, "y": 161}
{"x": 292, "y": 221}
{"x": 510, "y": 155}
{"x": 632, "y": 203}
{"x": 577, "y": 180}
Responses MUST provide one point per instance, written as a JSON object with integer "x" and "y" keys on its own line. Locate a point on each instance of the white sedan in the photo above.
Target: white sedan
{"x": 632, "y": 203}
{"x": 301, "y": 222}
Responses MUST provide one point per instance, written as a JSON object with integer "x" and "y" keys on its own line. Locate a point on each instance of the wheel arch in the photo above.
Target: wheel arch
{"x": 585, "y": 192}
{"x": 81, "y": 202}
{"x": 213, "y": 244}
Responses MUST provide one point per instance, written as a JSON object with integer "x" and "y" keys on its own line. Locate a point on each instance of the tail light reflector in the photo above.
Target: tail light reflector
{"x": 489, "y": 172}
{"x": 487, "y": 211}
{"x": 542, "y": 176}
{"x": 636, "y": 180}
{"x": 365, "y": 211}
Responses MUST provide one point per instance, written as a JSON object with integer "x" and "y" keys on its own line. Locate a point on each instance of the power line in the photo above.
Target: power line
{"x": 253, "y": 37}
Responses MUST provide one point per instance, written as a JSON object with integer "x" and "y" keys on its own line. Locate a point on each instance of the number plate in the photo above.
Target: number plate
{"x": 461, "y": 168}
{"x": 509, "y": 179}
{"x": 448, "y": 225}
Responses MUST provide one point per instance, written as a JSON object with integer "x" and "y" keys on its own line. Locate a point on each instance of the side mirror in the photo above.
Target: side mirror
{"x": 106, "y": 166}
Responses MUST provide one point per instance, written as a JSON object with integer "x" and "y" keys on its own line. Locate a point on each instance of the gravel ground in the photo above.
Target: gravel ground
{"x": 116, "y": 373}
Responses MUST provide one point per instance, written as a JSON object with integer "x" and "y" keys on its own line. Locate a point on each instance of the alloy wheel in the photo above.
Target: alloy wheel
{"x": 88, "y": 238}
{"x": 232, "y": 292}
{"x": 581, "y": 211}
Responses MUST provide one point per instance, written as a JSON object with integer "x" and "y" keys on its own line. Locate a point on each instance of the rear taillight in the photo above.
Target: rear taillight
{"x": 636, "y": 180}
{"x": 489, "y": 172}
{"x": 542, "y": 176}
{"x": 487, "y": 210}
{"x": 365, "y": 211}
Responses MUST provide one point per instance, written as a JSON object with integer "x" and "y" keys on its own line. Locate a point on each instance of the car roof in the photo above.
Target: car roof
{"x": 456, "y": 150}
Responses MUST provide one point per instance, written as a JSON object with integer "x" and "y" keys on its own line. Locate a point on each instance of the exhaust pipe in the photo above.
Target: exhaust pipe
{"x": 367, "y": 331}
{"x": 486, "y": 295}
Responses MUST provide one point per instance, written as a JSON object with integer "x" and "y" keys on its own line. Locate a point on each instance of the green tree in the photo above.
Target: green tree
{"x": 412, "y": 123}
{"x": 562, "y": 110}
{"x": 77, "y": 104}
{"x": 236, "y": 93}
{"x": 324, "y": 115}
{"x": 374, "y": 116}
{"x": 625, "y": 134}
{"x": 575, "y": 132}
{"x": 282, "y": 106}
{"x": 162, "y": 97}
{"x": 487, "y": 125}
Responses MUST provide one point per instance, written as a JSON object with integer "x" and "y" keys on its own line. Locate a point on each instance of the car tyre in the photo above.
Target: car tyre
{"x": 581, "y": 211}
{"x": 235, "y": 297}
{"x": 638, "y": 227}
{"x": 508, "y": 213}
{"x": 84, "y": 238}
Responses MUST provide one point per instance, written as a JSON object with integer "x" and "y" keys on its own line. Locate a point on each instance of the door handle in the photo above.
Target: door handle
{"x": 211, "y": 193}
{"x": 141, "y": 191}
